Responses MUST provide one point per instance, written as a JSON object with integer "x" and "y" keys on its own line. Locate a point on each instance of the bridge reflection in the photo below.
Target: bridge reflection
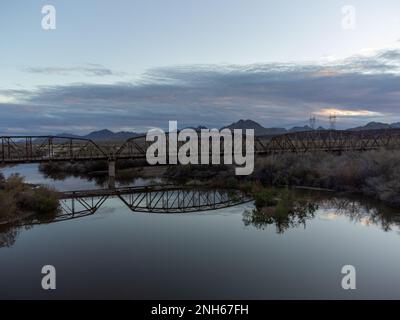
{"x": 172, "y": 199}
{"x": 151, "y": 199}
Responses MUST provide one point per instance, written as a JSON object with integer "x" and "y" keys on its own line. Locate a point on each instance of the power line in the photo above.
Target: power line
{"x": 332, "y": 121}
{"x": 312, "y": 121}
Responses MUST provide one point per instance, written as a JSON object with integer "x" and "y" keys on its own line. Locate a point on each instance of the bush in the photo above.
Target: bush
{"x": 17, "y": 197}
{"x": 8, "y": 206}
{"x": 40, "y": 200}
{"x": 373, "y": 173}
{"x": 14, "y": 184}
{"x": 264, "y": 198}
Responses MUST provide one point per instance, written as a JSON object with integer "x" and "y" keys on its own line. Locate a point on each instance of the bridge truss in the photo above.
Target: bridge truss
{"x": 332, "y": 141}
{"x": 147, "y": 199}
{"x": 20, "y": 149}
{"x": 181, "y": 200}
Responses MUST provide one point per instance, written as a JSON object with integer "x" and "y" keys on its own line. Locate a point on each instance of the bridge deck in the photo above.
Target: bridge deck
{"x": 115, "y": 191}
{"x": 17, "y": 149}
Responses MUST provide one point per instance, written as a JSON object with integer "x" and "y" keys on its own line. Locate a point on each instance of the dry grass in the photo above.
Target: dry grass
{"x": 373, "y": 173}
{"x": 17, "y": 198}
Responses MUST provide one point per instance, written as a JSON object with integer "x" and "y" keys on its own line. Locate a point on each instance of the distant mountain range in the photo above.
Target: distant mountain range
{"x": 259, "y": 130}
{"x": 377, "y": 126}
{"x": 104, "y": 134}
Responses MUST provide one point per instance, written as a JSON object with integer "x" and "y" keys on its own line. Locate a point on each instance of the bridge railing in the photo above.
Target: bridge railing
{"x": 334, "y": 140}
{"x": 14, "y": 149}
{"x": 48, "y": 148}
{"x": 136, "y": 147}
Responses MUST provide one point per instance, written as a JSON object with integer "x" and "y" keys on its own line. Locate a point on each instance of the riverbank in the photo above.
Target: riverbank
{"x": 19, "y": 200}
{"x": 375, "y": 174}
{"x": 127, "y": 171}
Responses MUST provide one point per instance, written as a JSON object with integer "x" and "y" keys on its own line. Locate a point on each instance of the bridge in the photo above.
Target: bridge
{"x": 145, "y": 199}
{"x": 36, "y": 149}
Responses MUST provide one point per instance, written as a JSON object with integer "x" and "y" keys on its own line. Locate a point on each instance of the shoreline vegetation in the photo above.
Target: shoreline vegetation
{"x": 373, "y": 174}
{"x": 19, "y": 200}
{"x": 127, "y": 171}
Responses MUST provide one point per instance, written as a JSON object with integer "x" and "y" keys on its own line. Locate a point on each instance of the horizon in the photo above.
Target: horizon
{"x": 235, "y": 122}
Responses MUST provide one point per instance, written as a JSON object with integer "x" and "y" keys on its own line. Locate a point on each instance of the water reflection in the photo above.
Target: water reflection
{"x": 294, "y": 209}
{"x": 363, "y": 212}
{"x": 150, "y": 199}
{"x": 8, "y": 235}
{"x": 298, "y": 207}
{"x": 63, "y": 181}
{"x": 96, "y": 172}
{"x": 282, "y": 216}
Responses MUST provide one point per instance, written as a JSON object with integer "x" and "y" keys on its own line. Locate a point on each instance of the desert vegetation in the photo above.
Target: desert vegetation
{"x": 280, "y": 207}
{"x": 19, "y": 200}
{"x": 375, "y": 174}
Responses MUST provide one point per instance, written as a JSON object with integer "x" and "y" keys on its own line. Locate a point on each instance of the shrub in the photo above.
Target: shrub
{"x": 14, "y": 184}
{"x": 8, "y": 206}
{"x": 264, "y": 198}
{"x": 17, "y": 196}
{"x": 41, "y": 200}
{"x": 374, "y": 173}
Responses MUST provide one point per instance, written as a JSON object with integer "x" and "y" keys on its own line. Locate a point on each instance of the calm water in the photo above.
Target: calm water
{"x": 223, "y": 254}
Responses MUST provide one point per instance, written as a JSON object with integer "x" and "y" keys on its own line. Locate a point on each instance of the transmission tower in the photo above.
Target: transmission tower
{"x": 332, "y": 121}
{"x": 313, "y": 121}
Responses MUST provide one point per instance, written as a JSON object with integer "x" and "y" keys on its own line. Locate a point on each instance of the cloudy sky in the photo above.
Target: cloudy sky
{"x": 133, "y": 65}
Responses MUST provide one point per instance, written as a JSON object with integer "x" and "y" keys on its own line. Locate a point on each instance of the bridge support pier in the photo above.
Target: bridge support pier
{"x": 111, "y": 174}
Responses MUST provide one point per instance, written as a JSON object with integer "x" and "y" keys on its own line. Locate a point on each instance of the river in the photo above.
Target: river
{"x": 218, "y": 254}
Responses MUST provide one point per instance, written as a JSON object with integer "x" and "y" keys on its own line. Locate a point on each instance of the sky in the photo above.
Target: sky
{"x": 134, "y": 65}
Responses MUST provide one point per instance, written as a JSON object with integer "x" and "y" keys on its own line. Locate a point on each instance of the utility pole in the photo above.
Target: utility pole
{"x": 313, "y": 121}
{"x": 332, "y": 121}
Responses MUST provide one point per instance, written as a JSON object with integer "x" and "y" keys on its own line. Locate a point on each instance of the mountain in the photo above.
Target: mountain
{"x": 198, "y": 128}
{"x": 377, "y": 126}
{"x": 372, "y": 126}
{"x": 69, "y": 135}
{"x": 301, "y": 129}
{"x": 104, "y": 134}
{"x": 258, "y": 129}
{"x": 395, "y": 125}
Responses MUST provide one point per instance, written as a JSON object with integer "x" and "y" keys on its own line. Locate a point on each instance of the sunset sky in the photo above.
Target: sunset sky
{"x": 133, "y": 65}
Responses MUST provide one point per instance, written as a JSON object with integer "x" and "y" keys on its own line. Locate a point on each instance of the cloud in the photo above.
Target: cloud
{"x": 89, "y": 69}
{"x": 359, "y": 89}
{"x": 348, "y": 113}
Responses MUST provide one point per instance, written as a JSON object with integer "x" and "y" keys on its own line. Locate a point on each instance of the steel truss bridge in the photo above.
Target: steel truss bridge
{"x": 25, "y": 149}
{"x": 146, "y": 199}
